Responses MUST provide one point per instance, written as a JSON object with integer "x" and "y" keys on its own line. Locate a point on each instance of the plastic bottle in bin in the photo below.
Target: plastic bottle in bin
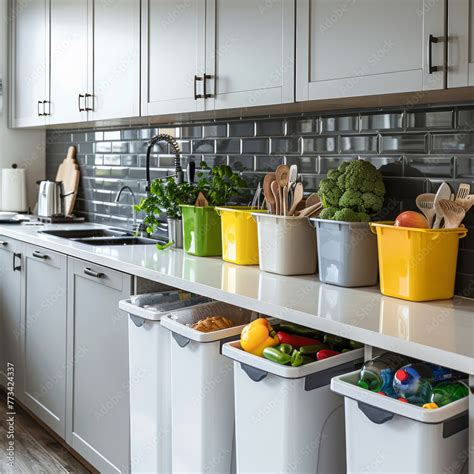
{"x": 377, "y": 374}
{"x": 445, "y": 393}
{"x": 416, "y": 381}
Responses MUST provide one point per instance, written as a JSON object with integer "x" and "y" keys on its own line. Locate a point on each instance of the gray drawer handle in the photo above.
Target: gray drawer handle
{"x": 92, "y": 273}
{"x": 40, "y": 255}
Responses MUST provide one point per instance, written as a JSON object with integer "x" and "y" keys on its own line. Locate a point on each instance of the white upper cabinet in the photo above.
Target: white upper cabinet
{"x": 173, "y": 56}
{"x": 461, "y": 43}
{"x": 68, "y": 60}
{"x": 348, "y": 48}
{"x": 250, "y": 52}
{"x": 114, "y": 75}
{"x": 29, "y": 62}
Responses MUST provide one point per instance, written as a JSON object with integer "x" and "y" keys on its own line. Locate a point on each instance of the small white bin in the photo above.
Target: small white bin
{"x": 386, "y": 435}
{"x": 202, "y": 389}
{"x": 150, "y": 392}
{"x": 287, "y": 419}
{"x": 286, "y": 245}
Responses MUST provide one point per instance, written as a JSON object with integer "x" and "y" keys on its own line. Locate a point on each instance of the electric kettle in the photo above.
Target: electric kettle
{"x": 51, "y": 198}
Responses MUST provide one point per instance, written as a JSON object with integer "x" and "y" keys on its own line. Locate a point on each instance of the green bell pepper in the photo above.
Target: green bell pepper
{"x": 273, "y": 354}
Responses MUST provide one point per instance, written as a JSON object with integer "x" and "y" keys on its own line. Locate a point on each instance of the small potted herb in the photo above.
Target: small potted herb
{"x": 202, "y": 224}
{"x": 166, "y": 196}
{"x": 352, "y": 195}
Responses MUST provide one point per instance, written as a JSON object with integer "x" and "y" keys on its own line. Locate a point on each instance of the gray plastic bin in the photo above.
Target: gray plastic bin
{"x": 347, "y": 253}
{"x": 286, "y": 245}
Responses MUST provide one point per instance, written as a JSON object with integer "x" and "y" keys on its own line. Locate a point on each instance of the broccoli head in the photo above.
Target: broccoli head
{"x": 328, "y": 212}
{"x": 352, "y": 199}
{"x": 348, "y": 215}
{"x": 362, "y": 176}
{"x": 329, "y": 192}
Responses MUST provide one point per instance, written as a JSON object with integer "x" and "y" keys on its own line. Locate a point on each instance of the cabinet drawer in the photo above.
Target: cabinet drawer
{"x": 102, "y": 275}
{"x": 48, "y": 257}
{"x": 9, "y": 244}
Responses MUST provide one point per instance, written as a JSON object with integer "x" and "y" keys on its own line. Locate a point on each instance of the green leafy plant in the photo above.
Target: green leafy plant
{"x": 165, "y": 196}
{"x": 353, "y": 192}
{"x": 219, "y": 184}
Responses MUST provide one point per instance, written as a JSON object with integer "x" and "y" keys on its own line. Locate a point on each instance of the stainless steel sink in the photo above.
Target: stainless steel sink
{"x": 101, "y": 237}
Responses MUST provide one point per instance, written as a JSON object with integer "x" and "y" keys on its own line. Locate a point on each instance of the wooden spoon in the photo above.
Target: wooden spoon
{"x": 267, "y": 192}
{"x": 297, "y": 197}
{"x": 283, "y": 178}
{"x": 312, "y": 199}
{"x": 276, "y": 194}
{"x": 453, "y": 213}
{"x": 285, "y": 201}
{"x": 425, "y": 203}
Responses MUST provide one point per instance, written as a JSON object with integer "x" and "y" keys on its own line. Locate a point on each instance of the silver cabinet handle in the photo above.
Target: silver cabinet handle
{"x": 92, "y": 273}
{"x": 40, "y": 255}
{"x": 431, "y": 69}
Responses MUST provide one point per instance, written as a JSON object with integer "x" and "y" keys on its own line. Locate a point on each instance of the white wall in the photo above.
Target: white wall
{"x": 24, "y": 147}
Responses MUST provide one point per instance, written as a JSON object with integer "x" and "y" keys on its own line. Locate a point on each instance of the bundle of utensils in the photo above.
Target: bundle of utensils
{"x": 284, "y": 194}
{"x": 444, "y": 209}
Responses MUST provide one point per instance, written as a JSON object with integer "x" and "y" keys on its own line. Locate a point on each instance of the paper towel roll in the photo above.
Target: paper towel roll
{"x": 14, "y": 189}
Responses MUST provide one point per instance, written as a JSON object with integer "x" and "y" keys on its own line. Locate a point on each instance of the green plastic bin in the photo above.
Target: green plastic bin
{"x": 201, "y": 231}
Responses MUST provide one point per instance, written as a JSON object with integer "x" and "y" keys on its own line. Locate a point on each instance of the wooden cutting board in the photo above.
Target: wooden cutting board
{"x": 69, "y": 174}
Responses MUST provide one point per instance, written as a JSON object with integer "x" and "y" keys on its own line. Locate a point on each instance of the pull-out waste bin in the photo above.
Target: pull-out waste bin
{"x": 384, "y": 434}
{"x": 150, "y": 399}
{"x": 202, "y": 389}
{"x": 287, "y": 419}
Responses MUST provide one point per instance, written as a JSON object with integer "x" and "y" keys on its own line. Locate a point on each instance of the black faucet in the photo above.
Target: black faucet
{"x": 163, "y": 137}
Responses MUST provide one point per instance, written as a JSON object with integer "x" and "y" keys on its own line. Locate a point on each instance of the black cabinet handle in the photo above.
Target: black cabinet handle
{"x": 92, "y": 273}
{"x": 79, "y": 97}
{"x": 3, "y": 243}
{"x": 196, "y": 95}
{"x": 206, "y": 95}
{"x": 86, "y": 108}
{"x": 16, "y": 268}
{"x": 44, "y": 107}
{"x": 431, "y": 69}
{"x": 40, "y": 255}
{"x": 38, "y": 108}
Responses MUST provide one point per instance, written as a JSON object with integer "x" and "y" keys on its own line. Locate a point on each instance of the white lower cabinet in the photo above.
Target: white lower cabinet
{"x": 98, "y": 414}
{"x": 43, "y": 336}
{"x": 10, "y": 312}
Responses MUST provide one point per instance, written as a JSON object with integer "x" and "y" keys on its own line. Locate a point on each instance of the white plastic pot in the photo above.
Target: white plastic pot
{"x": 286, "y": 245}
{"x": 386, "y": 435}
{"x": 202, "y": 387}
{"x": 287, "y": 419}
{"x": 150, "y": 392}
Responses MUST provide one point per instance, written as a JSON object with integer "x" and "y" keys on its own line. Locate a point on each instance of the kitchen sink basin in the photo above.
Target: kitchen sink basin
{"x": 101, "y": 237}
{"x": 104, "y": 242}
{"x": 86, "y": 233}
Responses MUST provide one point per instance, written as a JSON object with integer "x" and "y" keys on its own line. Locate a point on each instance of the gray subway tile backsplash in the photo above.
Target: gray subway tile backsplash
{"x": 415, "y": 149}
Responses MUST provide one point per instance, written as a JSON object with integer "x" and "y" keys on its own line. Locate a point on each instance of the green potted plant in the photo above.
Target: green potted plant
{"x": 202, "y": 224}
{"x": 352, "y": 195}
{"x": 166, "y": 196}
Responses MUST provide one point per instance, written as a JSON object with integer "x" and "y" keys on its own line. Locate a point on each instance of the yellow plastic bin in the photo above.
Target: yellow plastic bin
{"x": 417, "y": 264}
{"x": 239, "y": 235}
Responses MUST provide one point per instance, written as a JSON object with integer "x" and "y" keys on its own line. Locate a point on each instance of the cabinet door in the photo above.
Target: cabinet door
{"x": 115, "y": 75}
{"x": 10, "y": 311}
{"x": 98, "y": 419}
{"x": 367, "y": 47}
{"x": 69, "y": 28}
{"x": 461, "y": 43}
{"x": 44, "y": 336}
{"x": 250, "y": 52}
{"x": 29, "y": 62}
{"x": 173, "y": 53}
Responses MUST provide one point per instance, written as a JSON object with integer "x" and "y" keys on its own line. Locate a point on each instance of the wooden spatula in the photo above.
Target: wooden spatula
{"x": 466, "y": 203}
{"x": 69, "y": 174}
{"x": 201, "y": 201}
{"x": 453, "y": 213}
{"x": 425, "y": 203}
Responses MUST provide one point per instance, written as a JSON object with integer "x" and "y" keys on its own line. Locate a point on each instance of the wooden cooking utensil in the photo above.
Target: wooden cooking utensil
{"x": 308, "y": 211}
{"x": 267, "y": 191}
{"x": 297, "y": 197}
{"x": 425, "y": 203}
{"x": 453, "y": 213}
{"x": 285, "y": 201}
{"x": 201, "y": 200}
{"x": 276, "y": 194}
{"x": 312, "y": 199}
{"x": 464, "y": 191}
{"x": 283, "y": 178}
{"x": 467, "y": 202}
{"x": 69, "y": 174}
{"x": 444, "y": 192}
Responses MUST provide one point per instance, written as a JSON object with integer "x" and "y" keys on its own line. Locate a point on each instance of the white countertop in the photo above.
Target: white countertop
{"x": 440, "y": 332}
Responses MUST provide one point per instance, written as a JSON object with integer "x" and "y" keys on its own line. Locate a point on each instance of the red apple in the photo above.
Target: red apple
{"x": 412, "y": 219}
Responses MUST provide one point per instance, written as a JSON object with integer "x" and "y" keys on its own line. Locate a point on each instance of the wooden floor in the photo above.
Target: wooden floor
{"x": 36, "y": 451}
